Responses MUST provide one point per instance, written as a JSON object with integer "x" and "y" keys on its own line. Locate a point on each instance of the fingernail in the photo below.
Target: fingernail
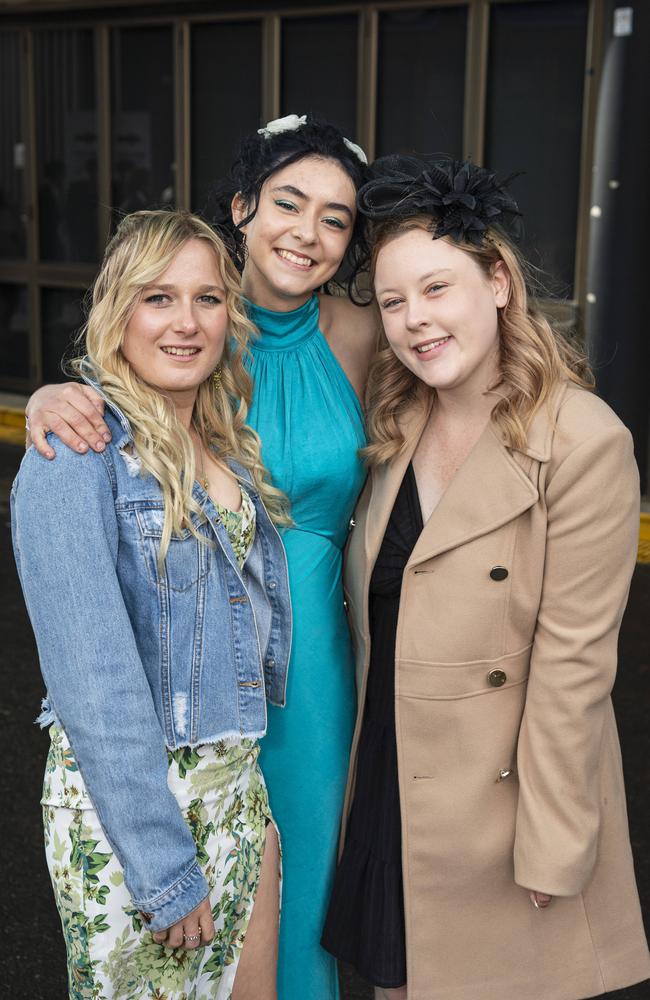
{"x": 99, "y": 446}
{"x": 82, "y": 447}
{"x": 49, "y": 454}
{"x": 106, "y": 436}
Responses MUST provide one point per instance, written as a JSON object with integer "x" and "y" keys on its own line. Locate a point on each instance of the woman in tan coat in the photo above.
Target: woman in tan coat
{"x": 485, "y": 854}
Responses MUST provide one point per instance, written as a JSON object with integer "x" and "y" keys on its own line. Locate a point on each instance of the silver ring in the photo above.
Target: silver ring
{"x": 192, "y": 937}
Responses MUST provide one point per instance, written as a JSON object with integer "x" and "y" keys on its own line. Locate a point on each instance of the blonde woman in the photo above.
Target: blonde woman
{"x": 486, "y": 851}
{"x": 157, "y": 587}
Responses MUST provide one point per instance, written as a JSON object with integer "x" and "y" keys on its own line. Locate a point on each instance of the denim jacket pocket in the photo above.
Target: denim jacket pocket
{"x": 186, "y": 561}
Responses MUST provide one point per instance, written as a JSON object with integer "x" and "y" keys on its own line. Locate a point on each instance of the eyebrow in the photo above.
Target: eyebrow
{"x": 171, "y": 288}
{"x": 424, "y": 277}
{"x": 297, "y": 193}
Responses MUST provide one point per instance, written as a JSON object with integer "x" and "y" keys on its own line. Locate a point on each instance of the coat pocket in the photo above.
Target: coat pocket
{"x": 451, "y": 681}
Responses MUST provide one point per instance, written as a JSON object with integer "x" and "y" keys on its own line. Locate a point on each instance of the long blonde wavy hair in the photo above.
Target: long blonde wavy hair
{"x": 533, "y": 355}
{"x": 142, "y": 248}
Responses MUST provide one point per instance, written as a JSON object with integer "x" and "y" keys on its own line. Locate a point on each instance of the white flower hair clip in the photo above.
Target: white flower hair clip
{"x": 357, "y": 150}
{"x": 287, "y": 124}
{"x": 291, "y": 123}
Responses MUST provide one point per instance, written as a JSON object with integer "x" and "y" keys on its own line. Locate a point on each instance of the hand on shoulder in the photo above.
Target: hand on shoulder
{"x": 73, "y": 411}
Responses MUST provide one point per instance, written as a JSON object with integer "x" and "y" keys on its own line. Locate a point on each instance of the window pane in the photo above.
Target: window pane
{"x": 143, "y": 118}
{"x": 66, "y": 143}
{"x": 218, "y": 121}
{"x": 61, "y": 318}
{"x": 14, "y": 338}
{"x": 12, "y": 149}
{"x": 534, "y": 115}
{"x": 319, "y": 69}
{"x": 421, "y": 81}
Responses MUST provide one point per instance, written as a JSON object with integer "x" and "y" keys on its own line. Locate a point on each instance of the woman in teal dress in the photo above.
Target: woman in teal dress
{"x": 293, "y": 193}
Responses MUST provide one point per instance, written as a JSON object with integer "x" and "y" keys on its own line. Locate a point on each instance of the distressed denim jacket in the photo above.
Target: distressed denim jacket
{"x": 136, "y": 661}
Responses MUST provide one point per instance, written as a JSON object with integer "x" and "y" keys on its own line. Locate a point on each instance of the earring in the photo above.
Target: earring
{"x": 216, "y": 378}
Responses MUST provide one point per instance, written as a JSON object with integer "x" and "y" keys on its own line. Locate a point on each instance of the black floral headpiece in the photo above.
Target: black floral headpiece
{"x": 464, "y": 200}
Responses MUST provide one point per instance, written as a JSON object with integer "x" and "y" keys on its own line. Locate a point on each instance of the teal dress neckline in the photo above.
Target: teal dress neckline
{"x": 283, "y": 331}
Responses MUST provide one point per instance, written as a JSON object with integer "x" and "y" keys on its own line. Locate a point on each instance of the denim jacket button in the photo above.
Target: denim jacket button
{"x": 270, "y": 662}
{"x": 271, "y": 585}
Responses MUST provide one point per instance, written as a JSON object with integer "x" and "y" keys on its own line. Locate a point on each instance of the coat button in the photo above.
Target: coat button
{"x": 351, "y": 524}
{"x": 271, "y": 585}
{"x": 498, "y": 573}
{"x": 497, "y": 678}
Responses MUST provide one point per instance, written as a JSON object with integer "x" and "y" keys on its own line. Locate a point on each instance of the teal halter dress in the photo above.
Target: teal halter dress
{"x": 311, "y": 426}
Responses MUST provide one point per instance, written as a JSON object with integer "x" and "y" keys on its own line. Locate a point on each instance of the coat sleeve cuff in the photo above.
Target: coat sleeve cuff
{"x": 551, "y": 876}
{"x": 176, "y": 902}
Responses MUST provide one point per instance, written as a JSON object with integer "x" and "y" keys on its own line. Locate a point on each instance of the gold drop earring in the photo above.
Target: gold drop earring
{"x": 216, "y": 378}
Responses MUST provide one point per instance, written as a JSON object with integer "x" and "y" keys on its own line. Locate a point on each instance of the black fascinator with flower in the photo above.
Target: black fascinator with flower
{"x": 464, "y": 200}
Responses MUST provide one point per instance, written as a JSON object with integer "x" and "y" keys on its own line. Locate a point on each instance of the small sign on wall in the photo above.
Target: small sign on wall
{"x": 623, "y": 19}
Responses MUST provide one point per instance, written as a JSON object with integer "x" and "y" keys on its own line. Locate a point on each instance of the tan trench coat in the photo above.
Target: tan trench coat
{"x": 508, "y": 756}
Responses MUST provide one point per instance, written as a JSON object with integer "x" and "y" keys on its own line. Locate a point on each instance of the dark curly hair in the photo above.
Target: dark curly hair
{"x": 258, "y": 157}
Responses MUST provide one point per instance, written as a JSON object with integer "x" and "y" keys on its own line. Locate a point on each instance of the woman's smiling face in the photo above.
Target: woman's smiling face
{"x": 299, "y": 233}
{"x": 177, "y": 331}
{"x": 440, "y": 310}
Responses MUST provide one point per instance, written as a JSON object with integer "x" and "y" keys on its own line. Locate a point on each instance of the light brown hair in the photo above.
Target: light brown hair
{"x": 533, "y": 355}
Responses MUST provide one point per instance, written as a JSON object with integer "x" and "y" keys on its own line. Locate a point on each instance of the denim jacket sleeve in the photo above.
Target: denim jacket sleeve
{"x": 66, "y": 540}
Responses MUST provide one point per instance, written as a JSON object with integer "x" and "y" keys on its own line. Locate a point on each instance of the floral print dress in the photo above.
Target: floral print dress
{"x": 221, "y": 791}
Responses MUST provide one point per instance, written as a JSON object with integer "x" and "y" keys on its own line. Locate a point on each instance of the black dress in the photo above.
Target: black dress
{"x": 365, "y": 921}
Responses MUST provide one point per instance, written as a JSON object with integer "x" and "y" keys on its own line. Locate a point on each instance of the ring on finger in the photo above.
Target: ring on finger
{"x": 192, "y": 937}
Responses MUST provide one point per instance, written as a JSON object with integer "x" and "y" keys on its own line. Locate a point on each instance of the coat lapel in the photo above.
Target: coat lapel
{"x": 489, "y": 489}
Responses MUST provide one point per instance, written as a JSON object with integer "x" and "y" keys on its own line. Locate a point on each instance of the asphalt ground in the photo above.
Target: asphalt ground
{"x": 32, "y": 963}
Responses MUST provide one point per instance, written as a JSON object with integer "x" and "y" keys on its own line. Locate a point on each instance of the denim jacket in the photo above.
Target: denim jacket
{"x": 137, "y": 662}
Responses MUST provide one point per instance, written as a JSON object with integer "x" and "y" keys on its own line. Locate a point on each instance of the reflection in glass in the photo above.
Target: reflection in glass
{"x": 421, "y": 81}
{"x": 218, "y": 121}
{"x": 319, "y": 69}
{"x": 61, "y": 319}
{"x": 14, "y": 342}
{"x": 533, "y": 122}
{"x": 66, "y": 143}
{"x": 12, "y": 149}
{"x": 142, "y": 86}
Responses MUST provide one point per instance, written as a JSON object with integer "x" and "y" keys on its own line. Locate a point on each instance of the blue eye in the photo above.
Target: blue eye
{"x": 391, "y": 302}
{"x": 156, "y": 299}
{"x": 435, "y": 288}
{"x": 211, "y": 300}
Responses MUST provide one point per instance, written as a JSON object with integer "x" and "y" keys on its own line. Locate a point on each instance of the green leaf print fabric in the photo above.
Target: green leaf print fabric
{"x": 110, "y": 954}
